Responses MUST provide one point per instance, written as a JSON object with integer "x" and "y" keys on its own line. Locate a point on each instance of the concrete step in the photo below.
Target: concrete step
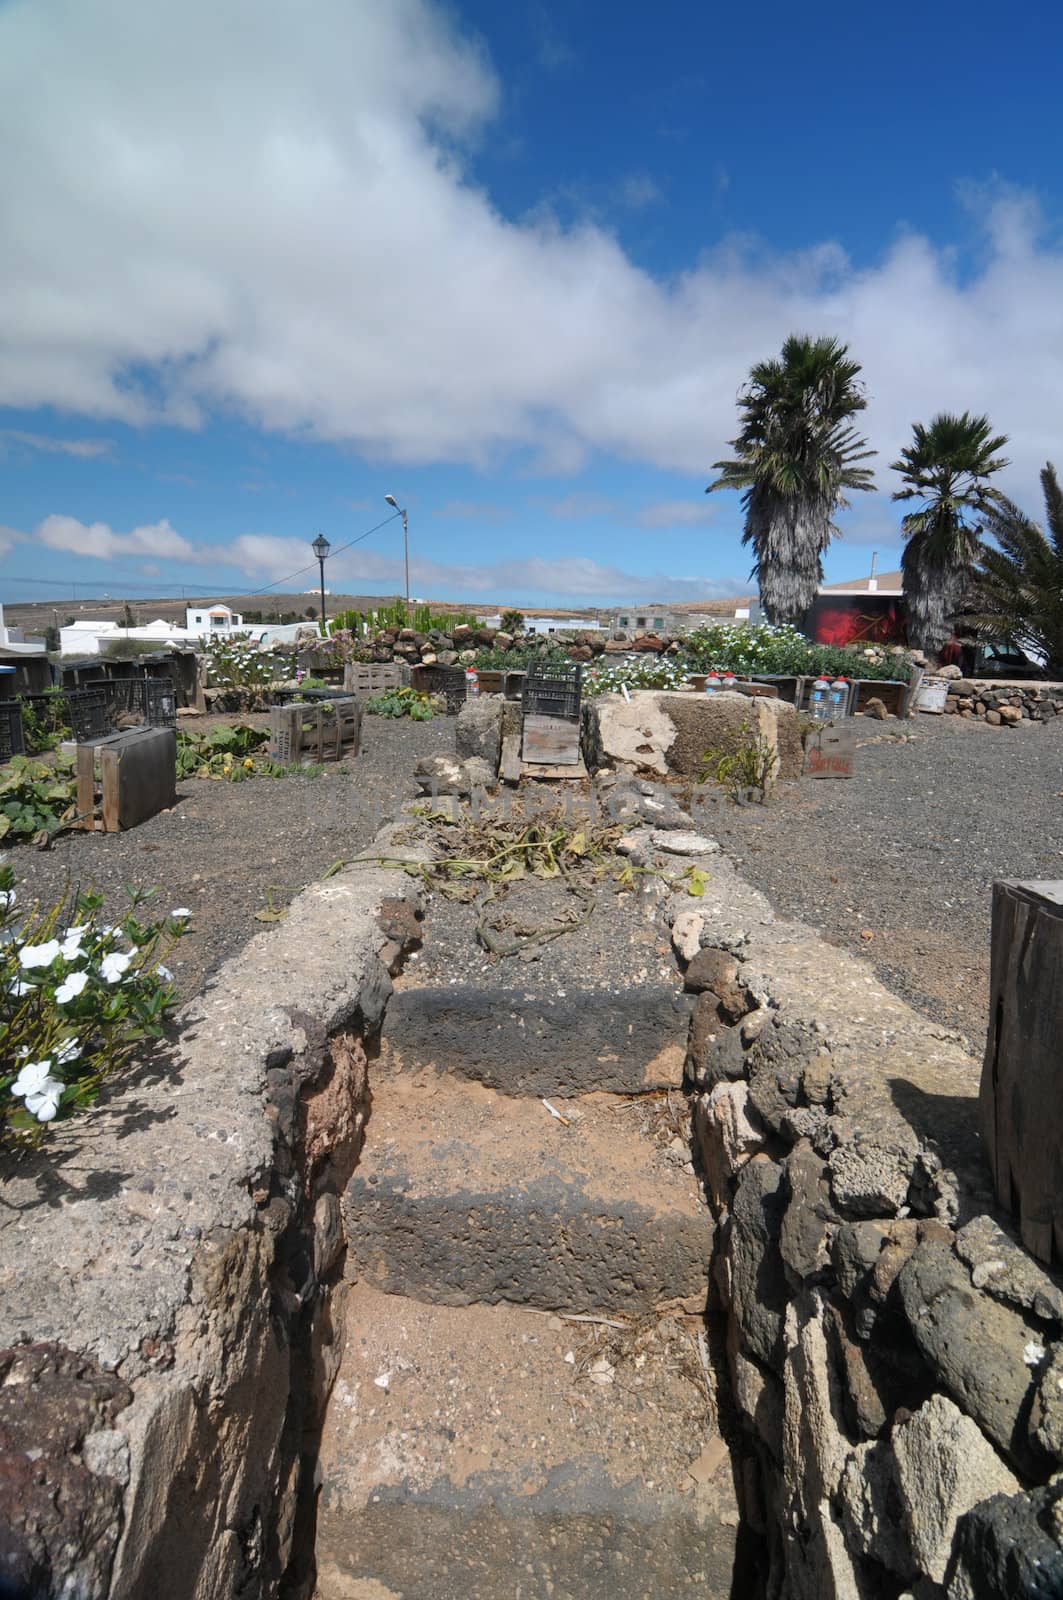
{"x": 527, "y": 1042}
{"x": 463, "y": 1194}
{"x": 497, "y": 1453}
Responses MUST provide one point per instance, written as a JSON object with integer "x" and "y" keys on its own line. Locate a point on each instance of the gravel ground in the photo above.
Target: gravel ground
{"x": 898, "y": 862}
{"x": 227, "y": 850}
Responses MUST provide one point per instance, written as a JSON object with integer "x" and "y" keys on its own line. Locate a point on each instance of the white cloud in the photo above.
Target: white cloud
{"x": 83, "y": 449}
{"x": 638, "y": 190}
{"x": 99, "y": 540}
{"x": 676, "y": 514}
{"x": 583, "y": 503}
{"x": 274, "y": 559}
{"x": 265, "y": 209}
{"x": 476, "y": 511}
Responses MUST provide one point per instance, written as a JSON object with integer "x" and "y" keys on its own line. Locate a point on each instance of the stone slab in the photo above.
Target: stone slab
{"x": 463, "y": 1195}
{"x": 529, "y": 1044}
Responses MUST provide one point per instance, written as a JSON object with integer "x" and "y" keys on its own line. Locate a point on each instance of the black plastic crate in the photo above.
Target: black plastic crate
{"x": 72, "y": 713}
{"x": 553, "y": 690}
{"x": 11, "y": 740}
{"x": 153, "y": 701}
{"x": 449, "y": 682}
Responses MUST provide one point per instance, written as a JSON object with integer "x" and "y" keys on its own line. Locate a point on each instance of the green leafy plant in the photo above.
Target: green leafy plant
{"x": 402, "y": 703}
{"x": 76, "y": 999}
{"x": 310, "y": 682}
{"x": 37, "y": 798}
{"x": 519, "y": 655}
{"x": 231, "y": 755}
{"x": 512, "y": 621}
{"x": 746, "y": 772}
{"x": 45, "y": 725}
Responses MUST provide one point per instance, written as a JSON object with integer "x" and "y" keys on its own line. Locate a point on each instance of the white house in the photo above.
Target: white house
{"x": 88, "y": 638}
{"x": 211, "y": 620}
{"x": 560, "y": 625}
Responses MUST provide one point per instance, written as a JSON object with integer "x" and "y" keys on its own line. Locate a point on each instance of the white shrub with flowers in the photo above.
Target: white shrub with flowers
{"x": 236, "y": 662}
{"x": 634, "y": 672}
{"x": 76, "y": 999}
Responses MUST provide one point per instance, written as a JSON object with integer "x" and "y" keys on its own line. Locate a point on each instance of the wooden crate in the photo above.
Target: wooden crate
{"x": 1021, "y": 1106}
{"x": 891, "y": 691}
{"x": 550, "y": 741}
{"x": 325, "y": 730}
{"x": 366, "y": 679}
{"x": 135, "y": 774}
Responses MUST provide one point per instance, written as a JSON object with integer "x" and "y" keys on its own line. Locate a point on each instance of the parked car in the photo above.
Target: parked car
{"x": 997, "y": 661}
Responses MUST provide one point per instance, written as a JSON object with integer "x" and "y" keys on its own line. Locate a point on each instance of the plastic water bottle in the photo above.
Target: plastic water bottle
{"x": 472, "y": 682}
{"x": 712, "y": 683}
{"x": 819, "y": 700}
{"x": 728, "y": 680}
{"x": 839, "y": 699}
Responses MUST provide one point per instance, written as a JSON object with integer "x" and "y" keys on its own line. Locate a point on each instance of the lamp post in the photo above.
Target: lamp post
{"x": 321, "y": 548}
{"x": 390, "y": 498}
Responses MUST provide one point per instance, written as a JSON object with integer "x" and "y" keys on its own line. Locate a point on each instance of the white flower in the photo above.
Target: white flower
{"x": 78, "y": 933}
{"x": 38, "y": 955}
{"x": 40, "y": 1091}
{"x": 112, "y": 966}
{"x": 72, "y": 985}
{"x": 70, "y": 949}
{"x": 70, "y": 1051}
{"x": 164, "y": 973}
{"x": 18, "y": 988}
{"x": 7, "y": 899}
{"x": 180, "y": 913}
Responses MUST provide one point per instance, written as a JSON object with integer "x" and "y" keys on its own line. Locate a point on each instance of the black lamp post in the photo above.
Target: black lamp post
{"x": 390, "y": 498}
{"x": 321, "y": 548}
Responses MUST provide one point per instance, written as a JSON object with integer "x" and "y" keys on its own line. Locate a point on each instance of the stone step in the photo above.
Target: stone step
{"x": 497, "y": 1453}
{"x": 464, "y": 1194}
{"x": 536, "y": 1044}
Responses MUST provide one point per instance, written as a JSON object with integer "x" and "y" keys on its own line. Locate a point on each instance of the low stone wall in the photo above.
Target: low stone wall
{"x": 167, "y": 1316}
{"x": 895, "y": 1357}
{"x": 662, "y": 732}
{"x": 1004, "y": 704}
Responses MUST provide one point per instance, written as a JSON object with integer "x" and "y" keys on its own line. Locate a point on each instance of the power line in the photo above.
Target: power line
{"x": 152, "y": 589}
{"x": 331, "y": 555}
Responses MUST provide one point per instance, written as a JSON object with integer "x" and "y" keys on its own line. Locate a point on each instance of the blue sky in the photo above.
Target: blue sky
{"x": 263, "y": 265}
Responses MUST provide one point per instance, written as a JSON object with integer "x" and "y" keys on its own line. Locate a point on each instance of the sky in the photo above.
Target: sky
{"x": 263, "y": 263}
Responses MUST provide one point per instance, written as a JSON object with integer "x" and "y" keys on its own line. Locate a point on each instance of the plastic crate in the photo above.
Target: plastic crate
{"x": 449, "y": 682}
{"x": 11, "y": 740}
{"x": 553, "y": 691}
{"x": 80, "y": 713}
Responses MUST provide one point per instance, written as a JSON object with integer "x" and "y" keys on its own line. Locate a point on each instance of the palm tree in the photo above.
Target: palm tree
{"x": 795, "y": 455}
{"x": 1017, "y": 593}
{"x": 948, "y": 466}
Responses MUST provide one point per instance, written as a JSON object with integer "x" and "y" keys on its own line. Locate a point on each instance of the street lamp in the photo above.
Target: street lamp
{"x": 390, "y": 498}
{"x": 321, "y": 548}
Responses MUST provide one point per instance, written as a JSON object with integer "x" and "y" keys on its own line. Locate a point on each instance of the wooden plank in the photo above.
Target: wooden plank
{"x": 86, "y": 779}
{"x": 1020, "y": 1100}
{"x": 550, "y": 741}
{"x": 829, "y": 753}
{"x": 539, "y": 769}
{"x": 511, "y": 764}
